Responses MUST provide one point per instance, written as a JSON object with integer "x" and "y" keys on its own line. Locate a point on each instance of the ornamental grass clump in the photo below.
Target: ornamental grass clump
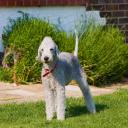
{"x": 103, "y": 54}
{"x": 102, "y": 51}
{"x": 22, "y": 38}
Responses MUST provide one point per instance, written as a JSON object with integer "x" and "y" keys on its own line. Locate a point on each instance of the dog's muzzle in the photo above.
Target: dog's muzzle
{"x": 46, "y": 59}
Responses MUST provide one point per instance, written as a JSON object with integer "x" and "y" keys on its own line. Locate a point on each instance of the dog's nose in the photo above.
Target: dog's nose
{"x": 46, "y": 58}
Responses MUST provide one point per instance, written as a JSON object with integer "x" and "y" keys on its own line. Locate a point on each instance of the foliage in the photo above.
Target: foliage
{"x": 5, "y": 74}
{"x": 102, "y": 51}
{"x": 22, "y": 37}
{"x": 112, "y": 112}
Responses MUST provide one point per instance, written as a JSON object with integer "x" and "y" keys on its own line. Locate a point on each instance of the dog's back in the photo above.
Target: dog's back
{"x": 69, "y": 64}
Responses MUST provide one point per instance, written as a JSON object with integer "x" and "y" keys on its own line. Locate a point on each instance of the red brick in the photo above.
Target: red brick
{"x": 81, "y": 2}
{"x": 43, "y": 2}
{"x": 118, "y": 13}
{"x": 123, "y": 20}
{"x": 11, "y": 3}
{"x": 27, "y": 3}
{"x": 125, "y": 1}
{"x": 69, "y": 2}
{"x": 53, "y": 2}
{"x": 49, "y": 2}
{"x": 123, "y": 6}
{"x": 112, "y": 20}
{"x": 104, "y": 1}
{"x": 65, "y": 2}
{"x": 3, "y": 2}
{"x": 85, "y": 2}
{"x": 117, "y": 1}
{"x": 105, "y": 14}
{"x": 99, "y": 7}
{"x": 112, "y": 7}
{"x": 94, "y": 1}
{"x": 59, "y": 2}
{"x": 35, "y": 2}
{"x": 126, "y": 13}
{"x": 89, "y": 7}
{"x": 78, "y": 2}
{"x": 19, "y": 2}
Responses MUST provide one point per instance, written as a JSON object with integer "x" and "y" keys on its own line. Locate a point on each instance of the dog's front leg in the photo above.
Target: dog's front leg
{"x": 49, "y": 101}
{"x": 60, "y": 101}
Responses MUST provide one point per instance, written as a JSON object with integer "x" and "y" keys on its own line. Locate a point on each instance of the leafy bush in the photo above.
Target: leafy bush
{"x": 104, "y": 54}
{"x": 22, "y": 37}
{"x": 6, "y": 75}
{"x": 102, "y": 51}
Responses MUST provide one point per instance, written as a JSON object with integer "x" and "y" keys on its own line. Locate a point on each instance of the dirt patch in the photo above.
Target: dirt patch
{"x": 9, "y": 92}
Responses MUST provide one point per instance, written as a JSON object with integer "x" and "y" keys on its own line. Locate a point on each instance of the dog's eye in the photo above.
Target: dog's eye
{"x": 51, "y": 49}
{"x": 42, "y": 49}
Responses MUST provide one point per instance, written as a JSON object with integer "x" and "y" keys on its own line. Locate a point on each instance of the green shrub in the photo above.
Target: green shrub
{"x": 102, "y": 51}
{"x": 6, "y": 74}
{"x": 104, "y": 54}
{"x": 22, "y": 37}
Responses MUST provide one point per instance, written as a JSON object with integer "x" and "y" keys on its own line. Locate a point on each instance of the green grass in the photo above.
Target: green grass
{"x": 112, "y": 112}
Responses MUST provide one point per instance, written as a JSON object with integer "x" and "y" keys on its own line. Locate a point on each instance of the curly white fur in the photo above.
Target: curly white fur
{"x": 64, "y": 67}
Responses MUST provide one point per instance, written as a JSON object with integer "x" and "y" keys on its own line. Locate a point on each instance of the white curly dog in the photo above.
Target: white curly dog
{"x": 59, "y": 68}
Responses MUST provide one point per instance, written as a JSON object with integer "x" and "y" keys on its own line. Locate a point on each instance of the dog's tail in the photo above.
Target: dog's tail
{"x": 76, "y": 44}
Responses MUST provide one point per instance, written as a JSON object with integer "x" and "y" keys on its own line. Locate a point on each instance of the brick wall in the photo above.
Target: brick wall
{"x": 115, "y": 11}
{"x": 22, "y": 3}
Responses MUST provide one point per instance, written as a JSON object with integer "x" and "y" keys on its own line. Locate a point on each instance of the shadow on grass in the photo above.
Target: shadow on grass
{"x": 73, "y": 111}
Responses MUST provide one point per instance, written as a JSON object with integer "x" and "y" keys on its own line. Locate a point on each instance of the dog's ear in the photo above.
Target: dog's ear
{"x": 57, "y": 50}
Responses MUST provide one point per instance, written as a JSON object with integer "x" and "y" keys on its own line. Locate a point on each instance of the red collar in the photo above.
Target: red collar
{"x": 48, "y": 71}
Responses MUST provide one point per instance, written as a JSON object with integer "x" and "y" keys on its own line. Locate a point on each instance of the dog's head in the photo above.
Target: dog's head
{"x": 48, "y": 51}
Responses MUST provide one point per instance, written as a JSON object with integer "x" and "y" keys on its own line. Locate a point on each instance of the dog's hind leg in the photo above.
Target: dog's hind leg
{"x": 82, "y": 81}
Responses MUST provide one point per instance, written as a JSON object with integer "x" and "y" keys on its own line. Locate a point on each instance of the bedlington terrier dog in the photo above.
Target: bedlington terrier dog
{"x": 59, "y": 68}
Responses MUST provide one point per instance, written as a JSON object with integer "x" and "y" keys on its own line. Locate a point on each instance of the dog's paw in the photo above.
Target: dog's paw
{"x": 61, "y": 118}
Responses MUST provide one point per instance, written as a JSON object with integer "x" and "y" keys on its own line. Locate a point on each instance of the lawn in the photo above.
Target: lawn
{"x": 112, "y": 112}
